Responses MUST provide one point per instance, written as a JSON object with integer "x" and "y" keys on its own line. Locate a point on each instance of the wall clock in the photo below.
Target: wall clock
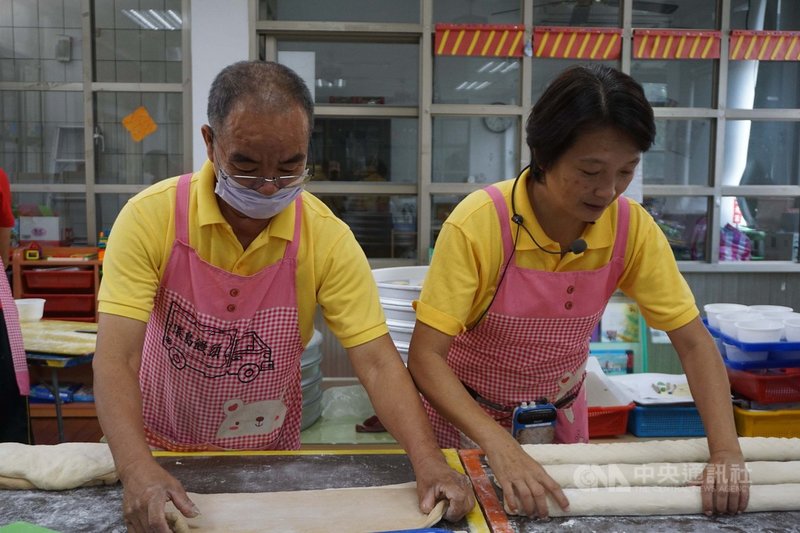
{"x": 497, "y": 124}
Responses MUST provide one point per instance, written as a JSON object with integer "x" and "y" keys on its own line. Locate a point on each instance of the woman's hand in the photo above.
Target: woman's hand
{"x": 725, "y": 484}
{"x": 526, "y": 485}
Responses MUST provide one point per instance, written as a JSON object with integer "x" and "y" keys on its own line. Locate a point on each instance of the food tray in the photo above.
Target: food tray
{"x": 773, "y": 386}
{"x": 665, "y": 421}
{"x": 781, "y": 354}
{"x": 781, "y": 423}
{"x": 609, "y": 421}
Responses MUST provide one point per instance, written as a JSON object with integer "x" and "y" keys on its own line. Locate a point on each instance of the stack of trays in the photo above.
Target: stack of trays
{"x": 311, "y": 380}
{"x": 764, "y": 372}
{"x": 397, "y": 288}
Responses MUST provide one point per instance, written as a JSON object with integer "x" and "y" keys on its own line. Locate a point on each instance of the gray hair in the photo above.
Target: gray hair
{"x": 271, "y": 84}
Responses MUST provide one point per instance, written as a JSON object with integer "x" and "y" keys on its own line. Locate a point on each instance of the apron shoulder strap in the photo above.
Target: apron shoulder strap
{"x": 182, "y": 209}
{"x": 502, "y": 214}
{"x": 623, "y": 225}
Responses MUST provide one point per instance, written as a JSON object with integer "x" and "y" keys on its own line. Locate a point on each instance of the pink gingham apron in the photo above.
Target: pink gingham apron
{"x": 534, "y": 341}
{"x": 11, "y": 318}
{"x": 221, "y": 358}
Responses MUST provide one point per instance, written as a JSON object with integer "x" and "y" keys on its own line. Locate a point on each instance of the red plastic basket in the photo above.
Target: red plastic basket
{"x": 781, "y": 385}
{"x": 609, "y": 421}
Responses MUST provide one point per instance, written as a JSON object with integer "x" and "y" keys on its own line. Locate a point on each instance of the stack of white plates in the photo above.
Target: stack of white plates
{"x": 311, "y": 380}
{"x": 397, "y": 288}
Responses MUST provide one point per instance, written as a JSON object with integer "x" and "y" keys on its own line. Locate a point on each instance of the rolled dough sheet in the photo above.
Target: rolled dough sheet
{"x": 663, "y": 474}
{"x": 354, "y": 510}
{"x": 667, "y": 451}
{"x": 650, "y": 501}
{"x": 55, "y": 467}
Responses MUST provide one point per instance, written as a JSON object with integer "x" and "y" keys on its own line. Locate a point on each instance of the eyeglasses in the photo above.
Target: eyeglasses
{"x": 281, "y": 182}
{"x": 256, "y": 182}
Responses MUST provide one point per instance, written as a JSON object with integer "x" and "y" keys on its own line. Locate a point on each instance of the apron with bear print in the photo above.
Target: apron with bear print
{"x": 534, "y": 341}
{"x": 221, "y": 359}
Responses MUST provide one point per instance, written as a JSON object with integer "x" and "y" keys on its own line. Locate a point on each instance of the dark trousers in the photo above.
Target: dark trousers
{"x": 15, "y": 424}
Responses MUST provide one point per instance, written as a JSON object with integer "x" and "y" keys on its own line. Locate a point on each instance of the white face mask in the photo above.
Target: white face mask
{"x": 252, "y": 203}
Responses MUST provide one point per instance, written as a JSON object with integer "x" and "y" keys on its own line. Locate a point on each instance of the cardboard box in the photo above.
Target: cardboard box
{"x": 44, "y": 230}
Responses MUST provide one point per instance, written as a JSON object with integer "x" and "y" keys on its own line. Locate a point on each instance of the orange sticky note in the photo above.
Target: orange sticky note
{"x": 140, "y": 124}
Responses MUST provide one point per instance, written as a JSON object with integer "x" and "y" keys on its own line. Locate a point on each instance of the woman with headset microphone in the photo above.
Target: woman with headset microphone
{"x": 521, "y": 274}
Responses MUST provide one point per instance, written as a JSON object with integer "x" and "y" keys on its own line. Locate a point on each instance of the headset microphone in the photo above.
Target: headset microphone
{"x": 578, "y": 246}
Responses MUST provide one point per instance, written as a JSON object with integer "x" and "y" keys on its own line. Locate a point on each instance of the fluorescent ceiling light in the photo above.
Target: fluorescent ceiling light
{"x": 490, "y": 64}
{"x": 154, "y": 19}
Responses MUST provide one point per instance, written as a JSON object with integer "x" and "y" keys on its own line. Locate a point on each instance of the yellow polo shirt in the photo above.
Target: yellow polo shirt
{"x": 468, "y": 258}
{"x": 332, "y": 268}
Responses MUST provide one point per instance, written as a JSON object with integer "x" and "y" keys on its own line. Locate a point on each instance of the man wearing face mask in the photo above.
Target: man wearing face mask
{"x": 210, "y": 285}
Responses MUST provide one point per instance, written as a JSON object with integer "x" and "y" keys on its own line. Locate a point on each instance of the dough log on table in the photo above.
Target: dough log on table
{"x": 650, "y": 478}
{"x": 55, "y": 467}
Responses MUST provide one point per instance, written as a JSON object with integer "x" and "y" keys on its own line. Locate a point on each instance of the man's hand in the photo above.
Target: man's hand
{"x": 437, "y": 481}
{"x": 147, "y": 487}
{"x": 525, "y": 484}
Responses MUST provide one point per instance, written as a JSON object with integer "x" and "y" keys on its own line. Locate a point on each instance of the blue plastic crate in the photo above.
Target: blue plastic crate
{"x": 781, "y": 354}
{"x": 665, "y": 421}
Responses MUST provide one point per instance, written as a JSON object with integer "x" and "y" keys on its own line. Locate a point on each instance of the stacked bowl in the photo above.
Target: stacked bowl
{"x": 397, "y": 288}
{"x": 311, "y": 380}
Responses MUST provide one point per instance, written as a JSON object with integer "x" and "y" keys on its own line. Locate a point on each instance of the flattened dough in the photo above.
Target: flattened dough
{"x": 354, "y": 510}
{"x": 55, "y": 467}
{"x": 667, "y": 451}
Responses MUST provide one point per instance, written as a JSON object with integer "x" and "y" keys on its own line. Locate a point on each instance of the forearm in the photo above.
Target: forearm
{"x": 442, "y": 388}
{"x": 395, "y": 399}
{"x": 118, "y": 399}
{"x": 708, "y": 381}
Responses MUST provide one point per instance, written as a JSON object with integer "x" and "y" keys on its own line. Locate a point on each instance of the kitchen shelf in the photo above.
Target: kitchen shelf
{"x": 66, "y": 277}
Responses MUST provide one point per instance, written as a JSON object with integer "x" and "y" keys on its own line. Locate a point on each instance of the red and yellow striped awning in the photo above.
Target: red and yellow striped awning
{"x": 765, "y": 45}
{"x": 480, "y": 40}
{"x": 562, "y": 42}
{"x": 676, "y": 44}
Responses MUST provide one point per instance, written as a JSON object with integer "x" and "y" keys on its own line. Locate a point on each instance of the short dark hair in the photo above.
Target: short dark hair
{"x": 583, "y": 98}
{"x": 270, "y": 83}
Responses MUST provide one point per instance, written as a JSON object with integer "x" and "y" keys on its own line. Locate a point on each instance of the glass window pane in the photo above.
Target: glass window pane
{"x": 776, "y": 15}
{"x": 68, "y": 208}
{"x": 475, "y": 149}
{"x": 476, "y": 80}
{"x": 122, "y": 155}
{"x": 441, "y": 207}
{"x": 365, "y": 149}
{"x": 40, "y": 43}
{"x": 693, "y": 14}
{"x": 358, "y": 73}
{"x": 757, "y": 153}
{"x": 678, "y": 83}
{"x": 546, "y": 70}
{"x": 384, "y": 225}
{"x": 763, "y": 84}
{"x": 684, "y": 220}
{"x": 138, "y": 43}
{"x": 108, "y": 207}
{"x": 477, "y": 11}
{"x": 42, "y": 136}
{"x": 572, "y": 13}
{"x": 680, "y": 154}
{"x": 759, "y": 228}
{"x": 341, "y": 10}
